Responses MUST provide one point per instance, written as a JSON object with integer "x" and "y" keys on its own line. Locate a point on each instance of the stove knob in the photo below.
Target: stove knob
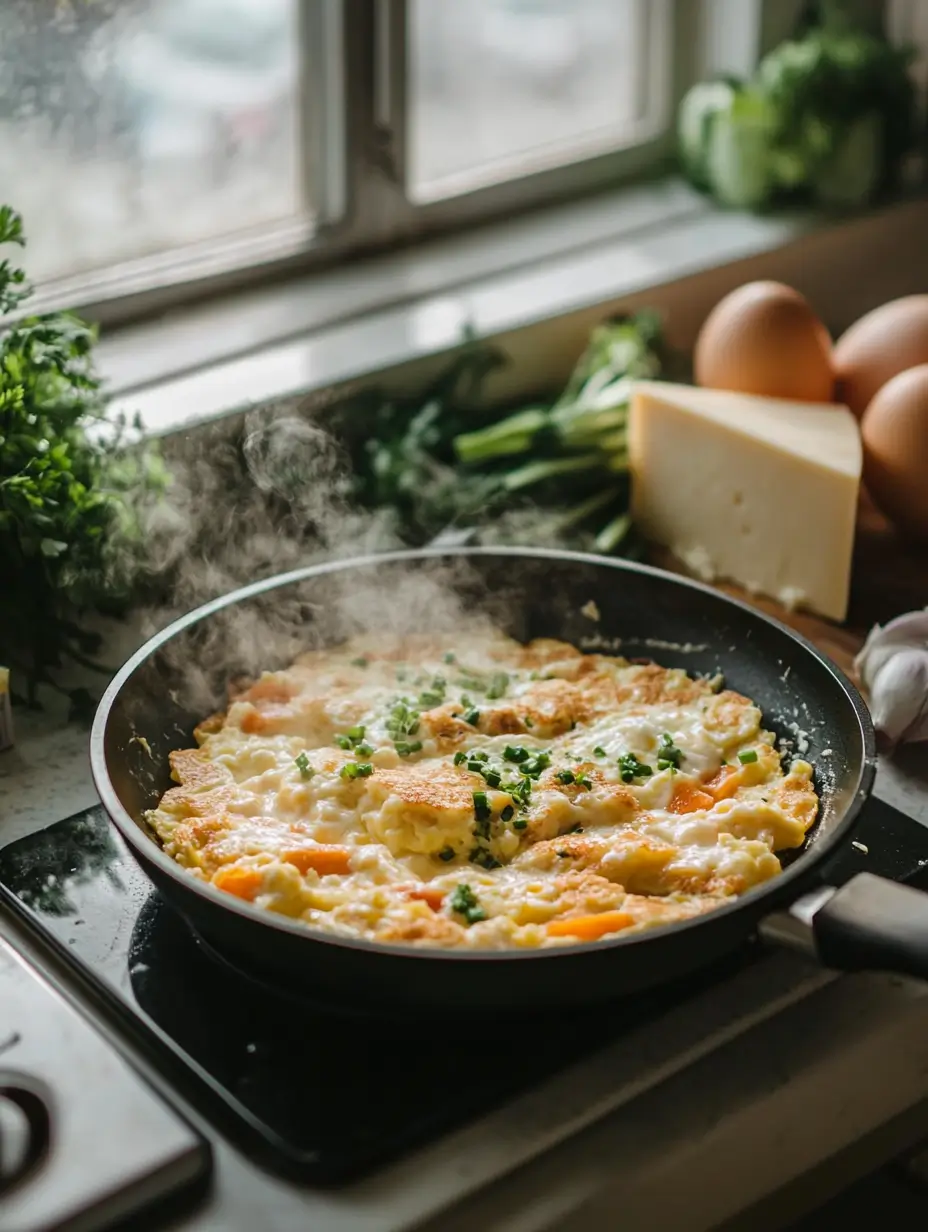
{"x": 24, "y": 1132}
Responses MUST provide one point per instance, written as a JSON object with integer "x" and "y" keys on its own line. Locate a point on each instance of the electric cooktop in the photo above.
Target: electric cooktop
{"x": 310, "y": 1092}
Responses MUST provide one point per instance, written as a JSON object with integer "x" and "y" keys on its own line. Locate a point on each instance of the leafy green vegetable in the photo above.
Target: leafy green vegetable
{"x": 442, "y": 462}
{"x": 698, "y": 112}
{"x": 72, "y": 490}
{"x": 401, "y": 450}
{"x": 829, "y": 115}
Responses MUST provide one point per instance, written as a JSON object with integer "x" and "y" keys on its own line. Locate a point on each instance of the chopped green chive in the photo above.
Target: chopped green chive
{"x": 406, "y": 749}
{"x": 533, "y": 768}
{"x": 356, "y": 770}
{"x": 353, "y": 739}
{"x": 508, "y": 813}
{"x": 481, "y": 806}
{"x": 480, "y": 755}
{"x": 471, "y": 684}
{"x": 360, "y": 662}
{"x": 434, "y": 695}
{"x": 583, "y": 780}
{"x": 748, "y": 756}
{"x": 499, "y": 683}
{"x": 669, "y": 756}
{"x": 305, "y": 769}
{"x": 471, "y": 716}
{"x": 630, "y": 768}
{"x": 565, "y": 776}
{"x": 516, "y": 753}
{"x": 449, "y": 657}
{"x": 529, "y": 722}
{"x": 460, "y": 758}
{"x": 402, "y": 720}
{"x": 446, "y": 854}
{"x": 493, "y": 778}
{"x": 519, "y": 824}
{"x": 599, "y": 751}
{"x": 520, "y": 790}
{"x": 464, "y": 902}
{"x": 481, "y": 856}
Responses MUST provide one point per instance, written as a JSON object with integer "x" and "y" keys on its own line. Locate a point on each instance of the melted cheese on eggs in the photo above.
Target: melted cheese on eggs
{"x": 483, "y": 794}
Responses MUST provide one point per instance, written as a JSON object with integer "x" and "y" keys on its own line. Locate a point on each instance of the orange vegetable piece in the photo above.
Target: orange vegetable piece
{"x": 591, "y": 927}
{"x": 426, "y": 894}
{"x": 688, "y": 798}
{"x": 242, "y": 882}
{"x": 321, "y": 860}
{"x": 725, "y": 783}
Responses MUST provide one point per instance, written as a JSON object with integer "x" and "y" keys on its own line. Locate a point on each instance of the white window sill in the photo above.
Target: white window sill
{"x": 661, "y": 244}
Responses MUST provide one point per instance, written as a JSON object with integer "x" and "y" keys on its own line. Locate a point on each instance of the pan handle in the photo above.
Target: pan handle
{"x": 870, "y": 924}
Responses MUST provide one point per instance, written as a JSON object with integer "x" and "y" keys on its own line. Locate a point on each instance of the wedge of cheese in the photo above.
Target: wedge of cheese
{"x": 757, "y": 491}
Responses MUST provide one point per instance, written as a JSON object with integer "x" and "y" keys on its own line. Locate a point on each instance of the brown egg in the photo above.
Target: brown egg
{"x": 894, "y": 429}
{"x": 765, "y": 339}
{"x": 881, "y": 344}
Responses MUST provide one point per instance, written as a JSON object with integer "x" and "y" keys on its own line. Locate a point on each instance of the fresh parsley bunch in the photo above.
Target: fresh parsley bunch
{"x": 72, "y": 490}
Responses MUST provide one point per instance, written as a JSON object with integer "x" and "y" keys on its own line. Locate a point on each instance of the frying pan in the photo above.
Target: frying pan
{"x": 170, "y": 684}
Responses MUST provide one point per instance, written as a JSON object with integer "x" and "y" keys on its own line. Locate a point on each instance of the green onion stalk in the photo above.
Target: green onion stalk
{"x": 579, "y": 443}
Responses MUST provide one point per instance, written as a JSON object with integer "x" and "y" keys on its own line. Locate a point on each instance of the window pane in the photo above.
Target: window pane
{"x": 505, "y": 87}
{"x": 131, "y": 127}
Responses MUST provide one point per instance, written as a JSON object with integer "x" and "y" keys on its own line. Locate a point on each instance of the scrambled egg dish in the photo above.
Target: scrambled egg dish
{"x": 483, "y": 794}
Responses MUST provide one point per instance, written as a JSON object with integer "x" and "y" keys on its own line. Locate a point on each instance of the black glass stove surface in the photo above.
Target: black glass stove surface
{"x": 314, "y": 1093}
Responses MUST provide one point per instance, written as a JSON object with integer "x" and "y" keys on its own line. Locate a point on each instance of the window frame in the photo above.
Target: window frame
{"x": 353, "y": 103}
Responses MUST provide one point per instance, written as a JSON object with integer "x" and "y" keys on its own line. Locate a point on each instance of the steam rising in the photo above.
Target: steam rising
{"x": 269, "y": 496}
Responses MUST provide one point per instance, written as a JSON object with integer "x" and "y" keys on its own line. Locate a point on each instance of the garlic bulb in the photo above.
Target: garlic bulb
{"x": 893, "y": 668}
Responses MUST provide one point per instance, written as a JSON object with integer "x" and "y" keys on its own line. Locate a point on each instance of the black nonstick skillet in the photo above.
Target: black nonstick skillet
{"x": 153, "y": 703}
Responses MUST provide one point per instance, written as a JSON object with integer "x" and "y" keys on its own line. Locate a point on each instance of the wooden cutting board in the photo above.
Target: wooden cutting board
{"x": 890, "y": 577}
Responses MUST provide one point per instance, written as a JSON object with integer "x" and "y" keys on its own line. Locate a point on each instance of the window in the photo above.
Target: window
{"x": 153, "y": 143}
{"x": 140, "y": 127}
{"x": 498, "y": 88}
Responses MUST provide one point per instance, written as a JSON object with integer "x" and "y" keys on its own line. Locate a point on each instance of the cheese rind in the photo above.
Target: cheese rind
{"x": 758, "y": 491}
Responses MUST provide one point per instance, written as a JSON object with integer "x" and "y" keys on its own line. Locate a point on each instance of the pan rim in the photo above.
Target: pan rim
{"x": 776, "y": 888}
